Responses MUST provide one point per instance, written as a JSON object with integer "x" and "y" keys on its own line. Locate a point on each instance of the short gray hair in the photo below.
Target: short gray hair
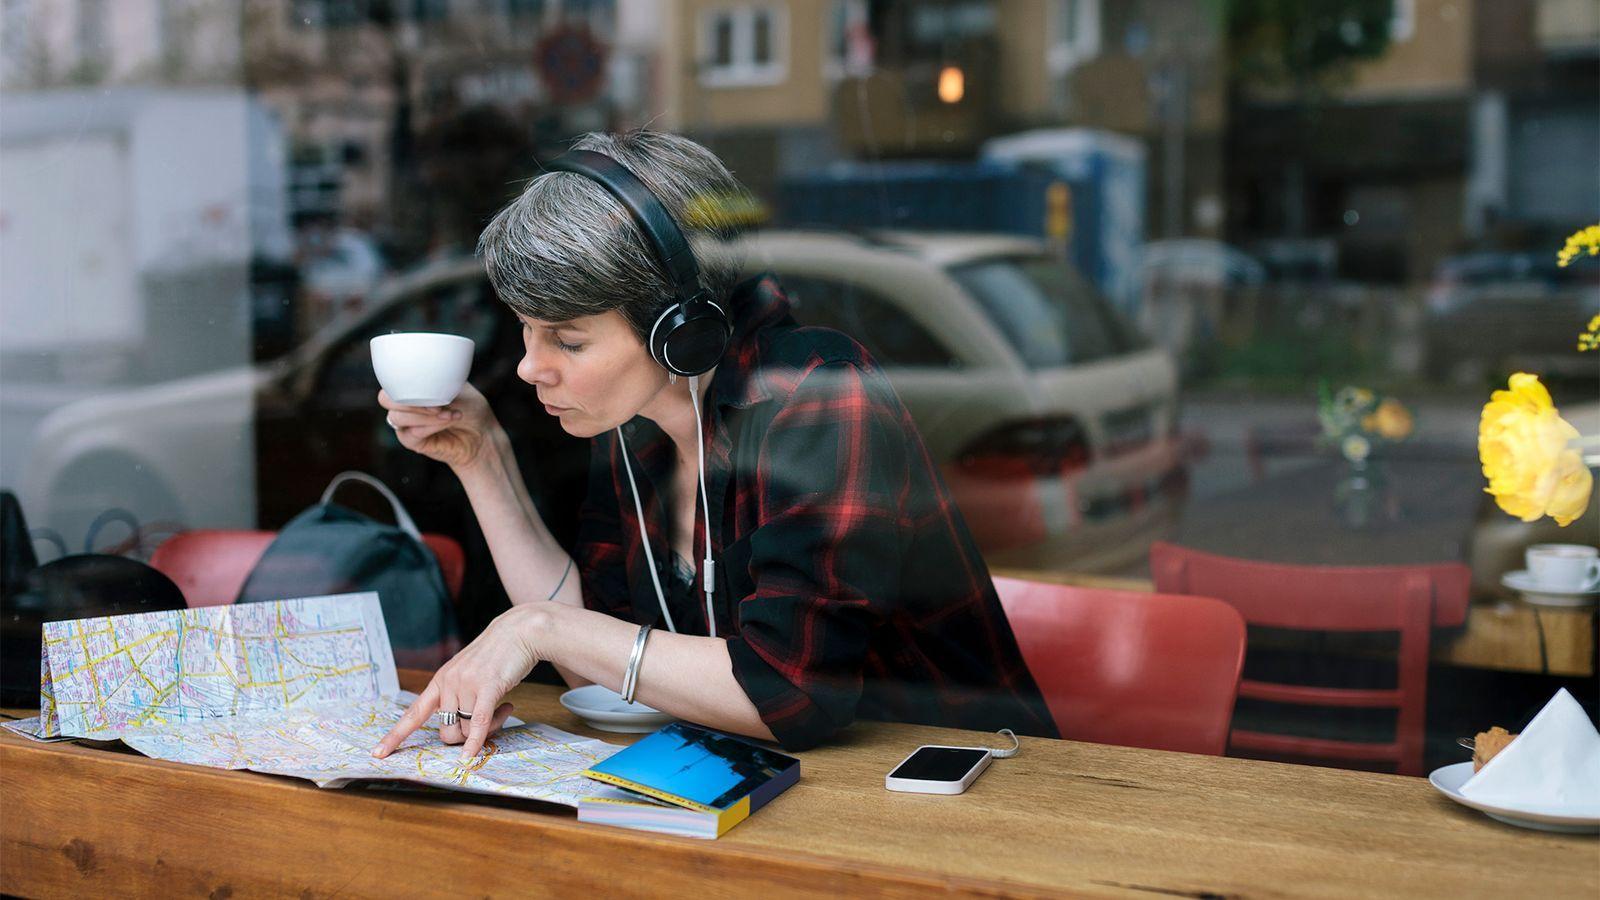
{"x": 566, "y": 248}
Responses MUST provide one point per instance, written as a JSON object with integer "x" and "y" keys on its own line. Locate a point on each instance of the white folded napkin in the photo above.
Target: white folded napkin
{"x": 1554, "y": 764}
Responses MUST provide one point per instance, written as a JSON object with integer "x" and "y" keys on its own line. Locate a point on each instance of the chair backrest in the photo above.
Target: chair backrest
{"x": 1411, "y": 600}
{"x": 210, "y": 565}
{"x": 1129, "y": 668}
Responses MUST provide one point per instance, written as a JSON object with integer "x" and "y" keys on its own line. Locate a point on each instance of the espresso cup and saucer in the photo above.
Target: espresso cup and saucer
{"x": 420, "y": 368}
{"x": 1558, "y": 575}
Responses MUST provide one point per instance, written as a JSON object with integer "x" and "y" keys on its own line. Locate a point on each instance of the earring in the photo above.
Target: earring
{"x": 672, "y": 377}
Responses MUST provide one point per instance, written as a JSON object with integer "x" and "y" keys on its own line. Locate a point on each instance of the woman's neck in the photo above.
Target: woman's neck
{"x": 672, "y": 413}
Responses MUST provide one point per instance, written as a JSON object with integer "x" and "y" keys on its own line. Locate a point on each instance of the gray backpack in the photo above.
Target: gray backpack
{"x": 330, "y": 549}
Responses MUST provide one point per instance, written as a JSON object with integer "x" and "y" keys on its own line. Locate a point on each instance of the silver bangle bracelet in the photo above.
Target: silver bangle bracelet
{"x": 630, "y": 677}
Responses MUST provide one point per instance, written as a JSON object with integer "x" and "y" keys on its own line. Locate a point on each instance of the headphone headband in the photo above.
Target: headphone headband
{"x": 661, "y": 231}
{"x": 690, "y": 335}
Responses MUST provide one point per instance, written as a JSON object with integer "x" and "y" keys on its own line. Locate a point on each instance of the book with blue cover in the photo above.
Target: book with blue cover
{"x": 687, "y": 780}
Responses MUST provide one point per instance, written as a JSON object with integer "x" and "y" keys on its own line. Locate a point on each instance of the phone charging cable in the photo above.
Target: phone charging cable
{"x": 1016, "y": 745}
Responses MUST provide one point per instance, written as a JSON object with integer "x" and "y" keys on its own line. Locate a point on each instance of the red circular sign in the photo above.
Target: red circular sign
{"x": 572, "y": 64}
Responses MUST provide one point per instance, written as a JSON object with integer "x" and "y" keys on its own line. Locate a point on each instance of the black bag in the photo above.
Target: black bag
{"x": 329, "y": 549}
{"x": 80, "y": 586}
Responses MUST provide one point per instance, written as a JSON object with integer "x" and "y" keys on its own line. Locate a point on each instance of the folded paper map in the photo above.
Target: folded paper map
{"x": 298, "y": 687}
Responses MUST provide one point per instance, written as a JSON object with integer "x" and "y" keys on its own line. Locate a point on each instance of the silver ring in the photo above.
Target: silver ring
{"x": 465, "y": 716}
{"x": 449, "y": 719}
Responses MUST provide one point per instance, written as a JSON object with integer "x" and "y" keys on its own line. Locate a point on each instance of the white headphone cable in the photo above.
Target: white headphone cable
{"x": 644, "y": 536}
{"x": 710, "y": 581}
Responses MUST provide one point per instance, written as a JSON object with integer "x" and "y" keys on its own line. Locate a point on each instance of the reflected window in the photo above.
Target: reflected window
{"x": 332, "y": 13}
{"x": 850, "y": 44}
{"x": 93, "y": 48}
{"x": 1046, "y": 311}
{"x": 1403, "y": 20}
{"x": 935, "y": 25}
{"x": 15, "y": 35}
{"x": 743, "y": 46}
{"x": 600, "y": 14}
{"x": 430, "y": 10}
{"x": 722, "y": 42}
{"x": 891, "y": 335}
{"x": 761, "y": 37}
{"x": 316, "y": 178}
{"x": 1074, "y": 33}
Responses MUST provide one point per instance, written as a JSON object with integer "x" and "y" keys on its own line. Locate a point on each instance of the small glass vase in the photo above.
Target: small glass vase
{"x": 1360, "y": 496}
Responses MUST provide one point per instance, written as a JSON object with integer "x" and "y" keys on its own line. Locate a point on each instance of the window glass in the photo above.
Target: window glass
{"x": 722, "y": 41}
{"x": 889, "y": 334}
{"x": 761, "y": 46}
{"x": 1050, "y": 315}
{"x": 1252, "y": 271}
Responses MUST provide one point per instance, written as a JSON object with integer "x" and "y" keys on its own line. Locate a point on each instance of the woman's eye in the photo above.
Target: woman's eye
{"x": 570, "y": 348}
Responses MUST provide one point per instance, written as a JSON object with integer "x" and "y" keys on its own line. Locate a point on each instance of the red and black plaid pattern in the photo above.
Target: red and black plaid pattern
{"x": 847, "y": 583}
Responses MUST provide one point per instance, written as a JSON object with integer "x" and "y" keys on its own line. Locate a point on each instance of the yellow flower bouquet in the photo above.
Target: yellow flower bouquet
{"x": 1357, "y": 420}
{"x": 1534, "y": 459}
{"x": 1531, "y": 456}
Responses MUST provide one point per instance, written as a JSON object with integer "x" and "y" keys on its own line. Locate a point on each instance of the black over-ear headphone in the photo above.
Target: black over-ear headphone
{"x": 691, "y": 333}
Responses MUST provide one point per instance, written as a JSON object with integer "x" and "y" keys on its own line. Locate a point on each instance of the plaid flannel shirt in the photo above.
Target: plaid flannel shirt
{"x": 846, "y": 581}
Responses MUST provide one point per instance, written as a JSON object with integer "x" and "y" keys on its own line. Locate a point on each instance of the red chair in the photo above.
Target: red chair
{"x": 1409, "y": 599}
{"x": 210, "y": 565}
{"x": 1135, "y": 669}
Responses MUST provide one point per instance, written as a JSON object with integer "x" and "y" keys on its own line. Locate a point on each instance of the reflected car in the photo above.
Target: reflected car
{"x": 1053, "y": 421}
{"x": 1493, "y": 313}
{"x": 253, "y": 446}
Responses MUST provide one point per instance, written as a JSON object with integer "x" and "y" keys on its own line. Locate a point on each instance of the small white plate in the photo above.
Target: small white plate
{"x": 1524, "y": 583}
{"x": 1449, "y": 780}
{"x": 602, "y": 708}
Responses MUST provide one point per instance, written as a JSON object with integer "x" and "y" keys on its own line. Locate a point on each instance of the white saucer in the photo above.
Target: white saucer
{"x": 1524, "y": 583}
{"x": 1449, "y": 780}
{"x": 601, "y": 707}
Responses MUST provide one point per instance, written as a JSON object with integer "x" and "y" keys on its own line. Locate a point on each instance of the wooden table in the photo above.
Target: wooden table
{"x": 1060, "y": 819}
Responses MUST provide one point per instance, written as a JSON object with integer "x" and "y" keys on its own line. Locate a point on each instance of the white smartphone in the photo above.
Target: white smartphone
{"x": 933, "y": 769}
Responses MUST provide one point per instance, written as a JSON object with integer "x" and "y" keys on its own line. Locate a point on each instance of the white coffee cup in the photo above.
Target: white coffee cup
{"x": 420, "y": 368}
{"x": 1564, "y": 567}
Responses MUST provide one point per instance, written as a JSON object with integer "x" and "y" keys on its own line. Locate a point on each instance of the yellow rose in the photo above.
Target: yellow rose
{"x": 1574, "y": 481}
{"x": 1391, "y": 421}
{"x": 1527, "y": 454}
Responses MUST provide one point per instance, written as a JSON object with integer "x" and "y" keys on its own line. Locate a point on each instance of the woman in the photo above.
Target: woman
{"x": 845, "y": 582}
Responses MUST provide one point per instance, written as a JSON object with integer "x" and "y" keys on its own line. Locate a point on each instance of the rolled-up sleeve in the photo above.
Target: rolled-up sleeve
{"x": 832, "y": 492}
{"x": 600, "y": 558}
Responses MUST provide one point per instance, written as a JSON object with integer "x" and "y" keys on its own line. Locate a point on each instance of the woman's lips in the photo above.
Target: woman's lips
{"x": 554, "y": 410}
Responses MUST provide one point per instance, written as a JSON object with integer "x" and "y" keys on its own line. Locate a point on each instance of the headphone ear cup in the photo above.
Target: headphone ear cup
{"x": 691, "y": 338}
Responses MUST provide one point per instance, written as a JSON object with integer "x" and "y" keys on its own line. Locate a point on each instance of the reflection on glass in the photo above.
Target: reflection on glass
{"x": 1052, "y": 317}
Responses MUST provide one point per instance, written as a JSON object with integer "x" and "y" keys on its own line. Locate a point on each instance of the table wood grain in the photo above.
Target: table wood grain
{"x": 1060, "y": 819}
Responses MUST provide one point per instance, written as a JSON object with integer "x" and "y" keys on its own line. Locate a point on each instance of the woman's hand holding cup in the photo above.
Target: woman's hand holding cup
{"x": 457, "y": 435}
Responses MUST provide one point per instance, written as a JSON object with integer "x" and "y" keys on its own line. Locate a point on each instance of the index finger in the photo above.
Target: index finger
{"x": 415, "y": 715}
{"x": 482, "y": 713}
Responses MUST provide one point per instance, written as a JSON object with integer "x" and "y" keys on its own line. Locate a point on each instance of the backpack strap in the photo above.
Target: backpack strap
{"x": 401, "y": 517}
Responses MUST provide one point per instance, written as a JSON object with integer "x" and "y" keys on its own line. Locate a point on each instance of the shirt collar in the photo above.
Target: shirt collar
{"x": 757, "y": 304}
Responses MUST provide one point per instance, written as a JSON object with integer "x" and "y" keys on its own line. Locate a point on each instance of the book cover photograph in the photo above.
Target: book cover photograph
{"x": 711, "y": 781}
